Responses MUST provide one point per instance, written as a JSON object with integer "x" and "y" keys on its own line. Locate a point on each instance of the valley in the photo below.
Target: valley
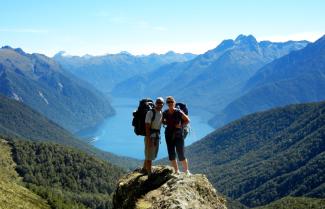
{"x": 256, "y": 110}
{"x": 116, "y": 134}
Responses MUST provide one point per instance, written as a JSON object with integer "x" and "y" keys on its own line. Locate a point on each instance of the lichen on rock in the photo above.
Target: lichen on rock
{"x": 163, "y": 189}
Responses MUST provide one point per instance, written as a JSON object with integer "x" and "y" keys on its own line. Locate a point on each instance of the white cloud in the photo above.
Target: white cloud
{"x": 23, "y": 30}
{"x": 309, "y": 36}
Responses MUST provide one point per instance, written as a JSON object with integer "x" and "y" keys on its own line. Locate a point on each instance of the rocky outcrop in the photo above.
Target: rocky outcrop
{"x": 163, "y": 189}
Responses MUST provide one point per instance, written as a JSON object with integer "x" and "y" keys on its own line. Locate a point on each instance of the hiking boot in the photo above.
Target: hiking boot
{"x": 188, "y": 173}
{"x": 143, "y": 171}
{"x": 150, "y": 175}
{"x": 177, "y": 172}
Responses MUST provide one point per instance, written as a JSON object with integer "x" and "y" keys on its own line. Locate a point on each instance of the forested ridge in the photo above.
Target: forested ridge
{"x": 266, "y": 156}
{"x": 65, "y": 177}
{"x": 296, "y": 203}
{"x": 12, "y": 193}
{"x": 19, "y": 121}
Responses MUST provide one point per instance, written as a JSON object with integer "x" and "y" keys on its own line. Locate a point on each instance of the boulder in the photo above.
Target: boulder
{"x": 163, "y": 189}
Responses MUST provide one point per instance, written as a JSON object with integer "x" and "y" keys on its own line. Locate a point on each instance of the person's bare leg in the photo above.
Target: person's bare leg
{"x": 185, "y": 165}
{"x": 175, "y": 166}
{"x": 144, "y": 165}
{"x": 146, "y": 162}
{"x": 149, "y": 165}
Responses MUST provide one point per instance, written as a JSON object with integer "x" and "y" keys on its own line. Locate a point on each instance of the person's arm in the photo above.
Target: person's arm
{"x": 185, "y": 118}
{"x": 148, "y": 127}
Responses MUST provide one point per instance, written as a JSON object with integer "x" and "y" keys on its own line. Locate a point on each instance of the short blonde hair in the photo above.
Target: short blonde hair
{"x": 170, "y": 98}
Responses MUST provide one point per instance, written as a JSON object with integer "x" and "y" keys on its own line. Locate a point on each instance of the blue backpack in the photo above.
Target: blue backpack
{"x": 184, "y": 109}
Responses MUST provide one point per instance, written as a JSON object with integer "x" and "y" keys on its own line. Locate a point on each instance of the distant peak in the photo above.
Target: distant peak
{"x": 6, "y": 47}
{"x": 152, "y": 54}
{"x": 125, "y": 53}
{"x": 321, "y": 39}
{"x": 320, "y": 43}
{"x": 241, "y": 41}
{"x": 87, "y": 56}
{"x": 60, "y": 54}
{"x": 18, "y": 50}
{"x": 244, "y": 38}
{"x": 170, "y": 53}
{"x": 225, "y": 44}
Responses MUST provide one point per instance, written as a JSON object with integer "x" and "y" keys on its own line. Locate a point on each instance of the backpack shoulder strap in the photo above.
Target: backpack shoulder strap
{"x": 153, "y": 115}
{"x": 164, "y": 114}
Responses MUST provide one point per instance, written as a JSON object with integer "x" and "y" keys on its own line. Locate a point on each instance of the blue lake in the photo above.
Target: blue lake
{"x": 116, "y": 134}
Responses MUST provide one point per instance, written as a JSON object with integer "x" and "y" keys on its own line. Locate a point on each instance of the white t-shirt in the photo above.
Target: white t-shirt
{"x": 156, "y": 124}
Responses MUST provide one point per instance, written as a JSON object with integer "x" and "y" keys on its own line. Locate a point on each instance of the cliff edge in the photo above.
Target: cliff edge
{"x": 163, "y": 189}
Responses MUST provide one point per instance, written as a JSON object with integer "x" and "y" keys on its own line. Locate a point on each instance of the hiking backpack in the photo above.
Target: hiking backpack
{"x": 139, "y": 116}
{"x": 183, "y": 107}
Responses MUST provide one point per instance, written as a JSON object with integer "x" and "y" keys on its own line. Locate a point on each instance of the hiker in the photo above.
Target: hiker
{"x": 172, "y": 118}
{"x": 152, "y": 138}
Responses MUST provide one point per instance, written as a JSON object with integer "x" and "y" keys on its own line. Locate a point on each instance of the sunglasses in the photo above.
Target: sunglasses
{"x": 159, "y": 103}
{"x": 169, "y": 102}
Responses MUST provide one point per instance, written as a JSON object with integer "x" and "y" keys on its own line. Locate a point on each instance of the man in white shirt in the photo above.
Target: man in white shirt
{"x": 153, "y": 124}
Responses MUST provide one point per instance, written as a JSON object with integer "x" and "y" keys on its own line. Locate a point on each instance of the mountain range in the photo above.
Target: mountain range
{"x": 20, "y": 121}
{"x": 45, "y": 166}
{"x": 295, "y": 78}
{"x": 265, "y": 159}
{"x": 266, "y": 156}
{"x": 104, "y": 72}
{"x": 255, "y": 160}
{"x": 39, "y": 82}
{"x": 211, "y": 80}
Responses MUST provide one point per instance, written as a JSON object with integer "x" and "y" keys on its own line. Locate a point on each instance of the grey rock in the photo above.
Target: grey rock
{"x": 163, "y": 189}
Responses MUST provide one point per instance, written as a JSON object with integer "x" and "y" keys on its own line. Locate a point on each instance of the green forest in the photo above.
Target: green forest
{"x": 296, "y": 203}
{"x": 20, "y": 121}
{"x": 65, "y": 177}
{"x": 266, "y": 156}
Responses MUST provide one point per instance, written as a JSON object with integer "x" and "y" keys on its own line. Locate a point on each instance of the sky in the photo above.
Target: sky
{"x": 98, "y": 27}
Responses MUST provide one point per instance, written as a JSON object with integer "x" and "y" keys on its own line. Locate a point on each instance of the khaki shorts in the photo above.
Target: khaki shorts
{"x": 151, "y": 151}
